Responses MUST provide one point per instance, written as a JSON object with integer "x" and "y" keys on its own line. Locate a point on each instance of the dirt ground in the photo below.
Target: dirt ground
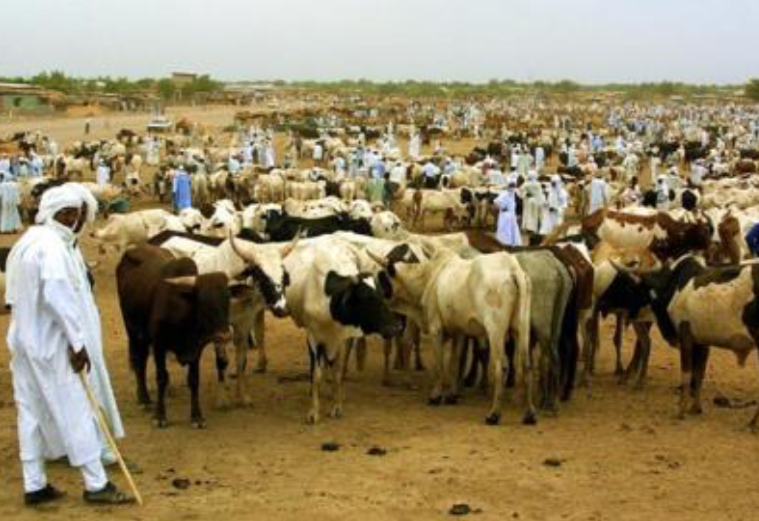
{"x": 622, "y": 453}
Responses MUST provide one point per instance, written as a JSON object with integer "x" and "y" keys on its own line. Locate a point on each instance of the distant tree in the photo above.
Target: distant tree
{"x": 166, "y": 88}
{"x": 752, "y": 89}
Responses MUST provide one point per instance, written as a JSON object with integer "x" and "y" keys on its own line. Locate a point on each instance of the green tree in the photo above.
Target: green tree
{"x": 752, "y": 89}
{"x": 166, "y": 88}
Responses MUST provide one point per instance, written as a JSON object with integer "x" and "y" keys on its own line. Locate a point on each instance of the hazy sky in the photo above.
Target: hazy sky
{"x": 706, "y": 41}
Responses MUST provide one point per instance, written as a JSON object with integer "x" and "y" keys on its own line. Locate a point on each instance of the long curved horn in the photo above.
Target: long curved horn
{"x": 635, "y": 271}
{"x": 247, "y": 257}
{"x": 376, "y": 258}
{"x": 187, "y": 281}
{"x": 286, "y": 250}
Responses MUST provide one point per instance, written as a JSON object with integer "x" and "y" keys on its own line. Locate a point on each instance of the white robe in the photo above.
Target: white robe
{"x": 508, "y": 228}
{"x": 553, "y": 211}
{"x": 10, "y": 199}
{"x": 54, "y": 416}
{"x": 532, "y": 195}
{"x": 599, "y": 195}
{"x": 103, "y": 175}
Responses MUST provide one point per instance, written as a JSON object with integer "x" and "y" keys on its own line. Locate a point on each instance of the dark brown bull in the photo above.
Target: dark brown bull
{"x": 167, "y": 305}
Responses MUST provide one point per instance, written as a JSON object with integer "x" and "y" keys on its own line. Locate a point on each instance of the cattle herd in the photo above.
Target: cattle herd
{"x": 345, "y": 247}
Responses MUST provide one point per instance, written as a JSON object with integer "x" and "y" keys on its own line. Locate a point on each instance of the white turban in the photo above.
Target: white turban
{"x": 56, "y": 199}
{"x": 87, "y": 198}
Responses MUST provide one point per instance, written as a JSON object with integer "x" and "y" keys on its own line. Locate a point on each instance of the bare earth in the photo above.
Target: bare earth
{"x": 623, "y": 454}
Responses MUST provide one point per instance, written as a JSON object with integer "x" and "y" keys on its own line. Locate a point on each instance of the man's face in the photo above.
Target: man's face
{"x": 82, "y": 220}
{"x": 68, "y": 217}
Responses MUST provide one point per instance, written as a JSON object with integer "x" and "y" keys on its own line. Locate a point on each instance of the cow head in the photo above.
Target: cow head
{"x": 356, "y": 301}
{"x": 191, "y": 219}
{"x": 402, "y": 273}
{"x": 386, "y": 225}
{"x": 263, "y": 263}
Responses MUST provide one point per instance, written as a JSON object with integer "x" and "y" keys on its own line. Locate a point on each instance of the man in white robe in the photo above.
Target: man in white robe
{"x": 103, "y": 174}
{"x": 662, "y": 190}
{"x": 10, "y": 199}
{"x": 598, "y": 193}
{"x": 534, "y": 199}
{"x": 508, "y": 232}
{"x": 99, "y": 378}
{"x": 48, "y": 337}
{"x": 556, "y": 202}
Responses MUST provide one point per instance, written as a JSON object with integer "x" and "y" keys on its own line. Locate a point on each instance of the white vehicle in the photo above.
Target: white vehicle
{"x": 160, "y": 125}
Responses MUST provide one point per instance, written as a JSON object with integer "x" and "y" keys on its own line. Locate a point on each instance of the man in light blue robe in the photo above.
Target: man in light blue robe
{"x": 508, "y": 232}
{"x": 10, "y": 220}
{"x": 181, "y": 189}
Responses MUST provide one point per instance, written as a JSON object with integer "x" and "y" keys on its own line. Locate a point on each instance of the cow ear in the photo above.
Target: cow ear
{"x": 335, "y": 283}
{"x": 385, "y": 285}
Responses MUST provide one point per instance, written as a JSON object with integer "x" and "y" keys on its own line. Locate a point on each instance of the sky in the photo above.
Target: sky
{"x": 590, "y": 41}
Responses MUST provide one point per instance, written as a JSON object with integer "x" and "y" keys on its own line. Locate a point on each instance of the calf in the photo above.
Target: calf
{"x": 168, "y": 307}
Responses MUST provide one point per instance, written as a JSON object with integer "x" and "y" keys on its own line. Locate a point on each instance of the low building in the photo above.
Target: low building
{"x": 21, "y": 97}
{"x": 182, "y": 79}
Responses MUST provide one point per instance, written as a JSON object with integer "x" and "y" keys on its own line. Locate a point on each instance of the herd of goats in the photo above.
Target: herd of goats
{"x": 310, "y": 240}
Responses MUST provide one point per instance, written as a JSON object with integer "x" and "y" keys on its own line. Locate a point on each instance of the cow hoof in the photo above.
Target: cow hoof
{"x": 451, "y": 400}
{"x": 336, "y": 412}
{"x": 435, "y": 401}
{"x": 160, "y": 423}
{"x": 312, "y": 418}
{"x": 695, "y": 410}
{"x": 198, "y": 424}
{"x": 530, "y": 418}
{"x": 493, "y": 419}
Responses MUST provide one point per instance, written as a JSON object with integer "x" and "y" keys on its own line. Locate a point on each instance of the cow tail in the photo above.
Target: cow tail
{"x": 522, "y": 312}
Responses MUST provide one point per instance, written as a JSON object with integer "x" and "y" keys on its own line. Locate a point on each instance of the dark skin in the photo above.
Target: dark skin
{"x": 70, "y": 218}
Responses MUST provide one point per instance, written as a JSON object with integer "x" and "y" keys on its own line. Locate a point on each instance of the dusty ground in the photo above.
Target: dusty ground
{"x": 623, "y": 454}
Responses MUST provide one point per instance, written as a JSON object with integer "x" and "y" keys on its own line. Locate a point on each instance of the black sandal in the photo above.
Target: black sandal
{"x": 108, "y": 495}
{"x": 40, "y": 497}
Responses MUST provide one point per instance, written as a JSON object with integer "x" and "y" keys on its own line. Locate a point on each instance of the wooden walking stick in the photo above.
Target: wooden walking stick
{"x": 111, "y": 442}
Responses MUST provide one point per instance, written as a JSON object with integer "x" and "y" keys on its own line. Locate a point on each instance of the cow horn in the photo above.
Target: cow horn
{"x": 376, "y": 258}
{"x": 187, "y": 281}
{"x": 247, "y": 257}
{"x": 286, "y": 250}
{"x": 635, "y": 271}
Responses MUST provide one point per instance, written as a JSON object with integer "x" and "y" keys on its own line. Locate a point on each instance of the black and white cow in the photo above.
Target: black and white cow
{"x": 332, "y": 295}
{"x": 696, "y": 308}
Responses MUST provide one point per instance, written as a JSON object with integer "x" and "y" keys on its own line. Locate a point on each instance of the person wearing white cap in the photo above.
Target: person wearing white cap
{"x": 662, "y": 192}
{"x": 99, "y": 378}
{"x": 10, "y": 199}
{"x": 556, "y": 202}
{"x": 48, "y": 337}
{"x": 103, "y": 173}
{"x": 534, "y": 199}
{"x": 598, "y": 193}
{"x": 697, "y": 173}
{"x": 508, "y": 232}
